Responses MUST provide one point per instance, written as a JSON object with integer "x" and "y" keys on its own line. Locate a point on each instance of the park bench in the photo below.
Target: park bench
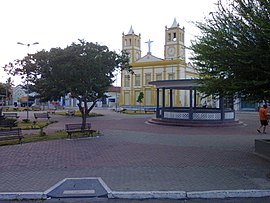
{"x": 36, "y": 108}
{"x": 41, "y": 115}
{"x": 8, "y": 123}
{"x": 51, "y": 110}
{"x": 11, "y": 134}
{"x": 11, "y": 115}
{"x": 5, "y": 108}
{"x": 77, "y": 128}
{"x": 121, "y": 110}
{"x": 149, "y": 110}
{"x": 70, "y": 112}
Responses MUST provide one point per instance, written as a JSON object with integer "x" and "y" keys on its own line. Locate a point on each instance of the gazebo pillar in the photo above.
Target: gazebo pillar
{"x": 190, "y": 104}
{"x": 171, "y": 98}
{"x": 195, "y": 100}
{"x": 163, "y": 102}
{"x": 157, "y": 110}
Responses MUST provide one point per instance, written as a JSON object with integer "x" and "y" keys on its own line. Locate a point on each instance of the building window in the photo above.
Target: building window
{"x": 171, "y": 76}
{"x": 169, "y": 37}
{"x": 159, "y": 76}
{"x": 147, "y": 78}
{"x": 174, "y": 36}
{"x": 137, "y": 80}
{"x": 127, "y": 80}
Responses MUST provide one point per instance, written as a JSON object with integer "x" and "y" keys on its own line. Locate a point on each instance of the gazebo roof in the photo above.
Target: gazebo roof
{"x": 184, "y": 84}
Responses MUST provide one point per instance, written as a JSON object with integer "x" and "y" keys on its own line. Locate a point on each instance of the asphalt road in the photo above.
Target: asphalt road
{"x": 100, "y": 200}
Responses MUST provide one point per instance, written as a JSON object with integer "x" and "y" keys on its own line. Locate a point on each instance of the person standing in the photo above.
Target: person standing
{"x": 263, "y": 119}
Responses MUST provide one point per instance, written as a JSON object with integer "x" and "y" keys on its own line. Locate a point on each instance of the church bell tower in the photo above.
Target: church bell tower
{"x": 174, "y": 42}
{"x": 132, "y": 44}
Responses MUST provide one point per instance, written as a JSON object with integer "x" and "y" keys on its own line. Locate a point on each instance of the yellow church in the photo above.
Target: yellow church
{"x": 150, "y": 68}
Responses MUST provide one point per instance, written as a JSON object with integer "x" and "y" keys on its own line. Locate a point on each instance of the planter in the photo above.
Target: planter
{"x": 262, "y": 148}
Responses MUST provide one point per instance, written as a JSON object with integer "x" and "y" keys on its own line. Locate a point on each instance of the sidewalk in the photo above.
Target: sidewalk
{"x": 133, "y": 155}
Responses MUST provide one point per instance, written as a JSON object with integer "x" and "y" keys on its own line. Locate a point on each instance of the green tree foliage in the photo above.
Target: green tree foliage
{"x": 2, "y": 89}
{"x": 232, "y": 55}
{"x": 83, "y": 70}
{"x": 6, "y": 90}
{"x": 140, "y": 97}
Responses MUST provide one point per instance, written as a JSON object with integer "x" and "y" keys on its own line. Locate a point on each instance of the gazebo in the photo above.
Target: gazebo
{"x": 193, "y": 115}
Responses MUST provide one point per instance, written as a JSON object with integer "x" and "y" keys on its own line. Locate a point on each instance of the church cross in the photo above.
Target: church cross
{"x": 149, "y": 45}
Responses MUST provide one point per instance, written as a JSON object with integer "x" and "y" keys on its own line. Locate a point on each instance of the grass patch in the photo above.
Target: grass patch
{"x": 28, "y": 138}
{"x": 34, "y": 124}
{"x": 29, "y": 125}
{"x": 78, "y": 114}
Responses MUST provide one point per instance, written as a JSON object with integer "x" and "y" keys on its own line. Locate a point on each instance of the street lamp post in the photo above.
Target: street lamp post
{"x": 27, "y": 78}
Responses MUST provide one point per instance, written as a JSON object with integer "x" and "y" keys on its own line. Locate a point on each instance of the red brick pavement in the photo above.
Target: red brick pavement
{"x": 143, "y": 154}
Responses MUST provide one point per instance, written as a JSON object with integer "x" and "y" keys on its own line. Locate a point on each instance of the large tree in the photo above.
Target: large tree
{"x": 232, "y": 54}
{"x": 83, "y": 70}
{"x": 6, "y": 91}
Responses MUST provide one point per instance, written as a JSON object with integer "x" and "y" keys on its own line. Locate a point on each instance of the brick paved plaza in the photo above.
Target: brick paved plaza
{"x": 132, "y": 155}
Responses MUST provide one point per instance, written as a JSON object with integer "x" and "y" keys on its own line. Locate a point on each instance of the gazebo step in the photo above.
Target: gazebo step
{"x": 189, "y": 123}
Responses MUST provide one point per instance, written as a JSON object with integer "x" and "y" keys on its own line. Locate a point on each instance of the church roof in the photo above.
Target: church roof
{"x": 149, "y": 58}
{"x": 175, "y": 24}
{"x": 131, "y": 31}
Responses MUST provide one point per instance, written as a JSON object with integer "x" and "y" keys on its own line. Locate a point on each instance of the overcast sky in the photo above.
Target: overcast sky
{"x": 58, "y": 23}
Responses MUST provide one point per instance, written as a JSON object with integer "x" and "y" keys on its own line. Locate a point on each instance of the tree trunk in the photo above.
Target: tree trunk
{"x": 85, "y": 111}
{"x": 84, "y": 114}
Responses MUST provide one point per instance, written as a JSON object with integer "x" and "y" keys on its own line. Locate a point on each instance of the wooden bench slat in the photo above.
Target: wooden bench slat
{"x": 11, "y": 115}
{"x": 41, "y": 115}
{"x": 77, "y": 127}
{"x": 9, "y": 134}
{"x": 8, "y": 123}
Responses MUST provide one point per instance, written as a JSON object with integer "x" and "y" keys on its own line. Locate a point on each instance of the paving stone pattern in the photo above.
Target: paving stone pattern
{"x": 132, "y": 155}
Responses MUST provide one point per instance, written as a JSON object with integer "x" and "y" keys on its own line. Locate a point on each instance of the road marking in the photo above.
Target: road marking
{"x": 78, "y": 192}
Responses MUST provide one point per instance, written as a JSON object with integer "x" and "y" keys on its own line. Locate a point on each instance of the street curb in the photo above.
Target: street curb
{"x": 148, "y": 195}
{"x": 22, "y": 196}
{"x": 214, "y": 194}
{"x": 217, "y": 194}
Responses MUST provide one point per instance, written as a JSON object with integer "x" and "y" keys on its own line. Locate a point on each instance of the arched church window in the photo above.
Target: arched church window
{"x": 169, "y": 37}
{"x": 174, "y": 36}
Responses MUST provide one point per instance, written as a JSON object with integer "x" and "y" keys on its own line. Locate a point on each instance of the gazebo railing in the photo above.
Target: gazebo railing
{"x": 196, "y": 114}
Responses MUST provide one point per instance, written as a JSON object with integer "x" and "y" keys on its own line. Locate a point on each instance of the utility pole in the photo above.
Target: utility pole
{"x": 27, "y": 79}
